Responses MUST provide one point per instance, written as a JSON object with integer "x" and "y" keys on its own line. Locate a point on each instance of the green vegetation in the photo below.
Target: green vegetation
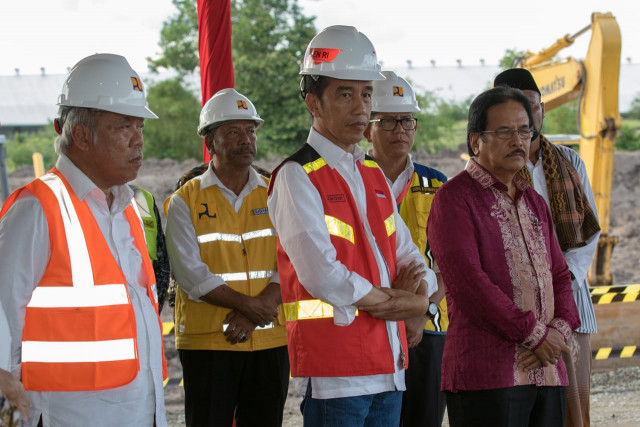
{"x": 21, "y": 146}
{"x": 629, "y": 137}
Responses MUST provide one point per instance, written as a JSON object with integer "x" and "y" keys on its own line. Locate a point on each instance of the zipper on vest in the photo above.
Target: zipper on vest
{"x": 244, "y": 249}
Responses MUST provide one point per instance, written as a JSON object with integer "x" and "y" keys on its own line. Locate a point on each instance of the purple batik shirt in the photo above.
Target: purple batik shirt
{"x": 505, "y": 278}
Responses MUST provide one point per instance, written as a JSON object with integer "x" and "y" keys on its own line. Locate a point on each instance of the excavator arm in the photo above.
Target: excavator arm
{"x": 594, "y": 81}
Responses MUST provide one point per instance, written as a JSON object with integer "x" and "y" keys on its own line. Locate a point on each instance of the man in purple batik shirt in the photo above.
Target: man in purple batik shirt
{"x": 507, "y": 284}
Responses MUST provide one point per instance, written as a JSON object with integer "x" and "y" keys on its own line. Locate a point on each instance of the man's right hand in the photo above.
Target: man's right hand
{"x": 13, "y": 389}
{"x": 551, "y": 349}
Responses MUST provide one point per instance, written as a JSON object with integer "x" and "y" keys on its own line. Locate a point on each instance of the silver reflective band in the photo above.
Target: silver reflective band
{"x": 233, "y": 277}
{"x": 68, "y": 296}
{"x": 212, "y": 237}
{"x": 267, "y": 326}
{"x": 267, "y": 232}
{"x": 77, "y": 351}
{"x": 81, "y": 271}
{"x": 154, "y": 289}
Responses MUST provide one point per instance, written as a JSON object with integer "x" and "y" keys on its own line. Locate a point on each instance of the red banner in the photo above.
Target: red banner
{"x": 216, "y": 65}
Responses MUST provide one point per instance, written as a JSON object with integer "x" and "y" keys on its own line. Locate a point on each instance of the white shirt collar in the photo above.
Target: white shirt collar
{"x": 329, "y": 151}
{"x": 210, "y": 178}
{"x": 82, "y": 185}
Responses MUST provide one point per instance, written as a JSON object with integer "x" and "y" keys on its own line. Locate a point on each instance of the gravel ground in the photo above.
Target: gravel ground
{"x": 615, "y": 401}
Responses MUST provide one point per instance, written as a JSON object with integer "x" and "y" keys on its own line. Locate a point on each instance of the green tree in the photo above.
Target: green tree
{"x": 269, "y": 38}
{"x": 174, "y": 135}
{"x": 511, "y": 58}
{"x": 629, "y": 138}
{"x": 22, "y": 145}
{"x": 562, "y": 119}
{"x": 634, "y": 111}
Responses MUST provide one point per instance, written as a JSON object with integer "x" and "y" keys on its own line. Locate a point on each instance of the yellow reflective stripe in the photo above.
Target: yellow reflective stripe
{"x": 315, "y": 165}
{"x": 390, "y": 224}
{"x": 308, "y": 309}
{"x": 339, "y": 228}
{"x": 370, "y": 164}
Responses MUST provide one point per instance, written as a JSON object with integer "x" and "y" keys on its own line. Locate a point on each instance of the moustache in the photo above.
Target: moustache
{"x": 243, "y": 150}
{"x": 518, "y": 151}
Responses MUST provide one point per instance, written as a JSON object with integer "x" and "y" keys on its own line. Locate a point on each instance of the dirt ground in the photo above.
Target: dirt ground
{"x": 616, "y": 394}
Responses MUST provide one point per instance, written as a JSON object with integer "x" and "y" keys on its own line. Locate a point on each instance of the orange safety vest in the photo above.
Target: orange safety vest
{"x": 317, "y": 347}
{"x": 80, "y": 327}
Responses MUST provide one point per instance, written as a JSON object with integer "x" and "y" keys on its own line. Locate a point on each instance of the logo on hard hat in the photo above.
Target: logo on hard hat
{"x": 320, "y": 55}
{"x": 397, "y": 91}
{"x": 242, "y": 105}
{"x": 137, "y": 84}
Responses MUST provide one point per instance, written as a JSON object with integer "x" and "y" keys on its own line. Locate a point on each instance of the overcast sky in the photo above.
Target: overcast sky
{"x": 55, "y": 34}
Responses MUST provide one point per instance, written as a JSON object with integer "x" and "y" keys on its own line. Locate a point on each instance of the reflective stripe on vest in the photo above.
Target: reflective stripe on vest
{"x": 226, "y": 237}
{"x": 308, "y": 309}
{"x": 339, "y": 228}
{"x": 390, "y": 224}
{"x": 78, "y": 352}
{"x": 231, "y": 277}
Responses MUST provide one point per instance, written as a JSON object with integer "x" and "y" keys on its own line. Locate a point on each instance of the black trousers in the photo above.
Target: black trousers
{"x": 423, "y": 403}
{"x": 519, "y": 406}
{"x": 252, "y": 385}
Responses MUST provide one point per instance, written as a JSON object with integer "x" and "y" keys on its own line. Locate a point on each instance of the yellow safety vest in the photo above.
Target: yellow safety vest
{"x": 240, "y": 247}
{"x": 414, "y": 210}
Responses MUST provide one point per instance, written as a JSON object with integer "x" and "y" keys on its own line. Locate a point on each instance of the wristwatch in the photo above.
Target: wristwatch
{"x": 432, "y": 310}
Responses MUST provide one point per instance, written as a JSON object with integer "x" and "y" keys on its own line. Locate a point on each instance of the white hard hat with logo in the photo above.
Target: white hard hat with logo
{"x": 106, "y": 82}
{"x": 393, "y": 95}
{"x": 341, "y": 52}
{"x": 225, "y": 106}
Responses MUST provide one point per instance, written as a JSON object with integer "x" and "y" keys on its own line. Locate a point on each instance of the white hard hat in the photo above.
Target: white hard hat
{"x": 227, "y": 105}
{"x": 393, "y": 95}
{"x": 341, "y": 52}
{"x": 106, "y": 82}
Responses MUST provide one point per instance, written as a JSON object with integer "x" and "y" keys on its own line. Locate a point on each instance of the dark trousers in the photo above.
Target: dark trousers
{"x": 519, "y": 406}
{"x": 252, "y": 385}
{"x": 423, "y": 403}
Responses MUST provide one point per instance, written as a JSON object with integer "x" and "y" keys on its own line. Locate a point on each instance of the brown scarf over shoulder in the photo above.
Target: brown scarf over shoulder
{"x": 572, "y": 214}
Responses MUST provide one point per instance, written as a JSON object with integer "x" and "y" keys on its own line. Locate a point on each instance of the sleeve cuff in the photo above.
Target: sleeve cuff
{"x": 561, "y": 326}
{"x": 205, "y": 287}
{"x": 536, "y": 337}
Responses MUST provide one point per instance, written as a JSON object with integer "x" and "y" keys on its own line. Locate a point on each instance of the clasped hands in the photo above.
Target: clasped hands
{"x": 258, "y": 311}
{"x": 549, "y": 352}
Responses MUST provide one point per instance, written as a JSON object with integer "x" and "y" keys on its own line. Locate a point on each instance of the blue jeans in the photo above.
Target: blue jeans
{"x": 371, "y": 410}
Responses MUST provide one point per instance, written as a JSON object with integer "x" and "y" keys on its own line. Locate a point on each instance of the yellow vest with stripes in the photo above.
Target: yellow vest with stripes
{"x": 414, "y": 210}
{"x": 239, "y": 247}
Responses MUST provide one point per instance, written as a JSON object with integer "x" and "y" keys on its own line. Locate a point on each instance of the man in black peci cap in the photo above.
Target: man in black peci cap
{"x": 558, "y": 174}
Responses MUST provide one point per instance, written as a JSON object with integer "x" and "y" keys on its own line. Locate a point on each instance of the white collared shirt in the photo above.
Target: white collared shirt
{"x": 193, "y": 275}
{"x": 297, "y": 214}
{"x": 578, "y": 259}
{"x": 24, "y": 254}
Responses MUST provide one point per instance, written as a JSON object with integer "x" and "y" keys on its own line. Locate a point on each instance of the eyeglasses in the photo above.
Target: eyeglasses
{"x": 507, "y": 134}
{"x": 388, "y": 123}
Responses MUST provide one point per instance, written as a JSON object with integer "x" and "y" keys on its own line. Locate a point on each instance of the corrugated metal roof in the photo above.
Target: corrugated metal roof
{"x": 29, "y": 100}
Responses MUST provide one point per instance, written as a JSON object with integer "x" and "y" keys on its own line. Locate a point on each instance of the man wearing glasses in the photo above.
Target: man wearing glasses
{"x": 507, "y": 284}
{"x": 558, "y": 173}
{"x": 391, "y": 132}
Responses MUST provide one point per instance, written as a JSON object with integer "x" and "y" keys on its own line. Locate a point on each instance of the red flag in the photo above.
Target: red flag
{"x": 216, "y": 65}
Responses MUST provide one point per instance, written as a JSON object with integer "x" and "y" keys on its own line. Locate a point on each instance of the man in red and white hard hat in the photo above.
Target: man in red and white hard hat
{"x": 77, "y": 284}
{"x": 349, "y": 271}
{"x": 230, "y": 331}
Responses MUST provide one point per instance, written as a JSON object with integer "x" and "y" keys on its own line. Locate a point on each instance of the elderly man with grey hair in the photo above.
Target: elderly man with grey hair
{"x": 77, "y": 285}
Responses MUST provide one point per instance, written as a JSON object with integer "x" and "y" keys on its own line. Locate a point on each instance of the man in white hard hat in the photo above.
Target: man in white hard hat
{"x": 391, "y": 132}
{"x": 349, "y": 271}
{"x": 230, "y": 331}
{"x": 77, "y": 284}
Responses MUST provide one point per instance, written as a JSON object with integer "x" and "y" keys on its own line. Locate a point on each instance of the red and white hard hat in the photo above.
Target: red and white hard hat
{"x": 393, "y": 95}
{"x": 341, "y": 52}
{"x": 106, "y": 82}
{"x": 225, "y": 106}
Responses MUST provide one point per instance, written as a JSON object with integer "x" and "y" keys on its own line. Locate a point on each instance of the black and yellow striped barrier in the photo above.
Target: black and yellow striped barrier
{"x": 173, "y": 382}
{"x": 615, "y": 352}
{"x": 167, "y": 328}
{"x": 609, "y": 294}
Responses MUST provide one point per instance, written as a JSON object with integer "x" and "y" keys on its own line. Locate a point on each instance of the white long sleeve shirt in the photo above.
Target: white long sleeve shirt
{"x": 193, "y": 275}
{"x": 24, "y": 254}
{"x": 578, "y": 259}
{"x": 296, "y": 210}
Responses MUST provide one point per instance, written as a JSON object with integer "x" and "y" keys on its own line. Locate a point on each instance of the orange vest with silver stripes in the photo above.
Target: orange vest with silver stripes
{"x": 317, "y": 347}
{"x": 80, "y": 328}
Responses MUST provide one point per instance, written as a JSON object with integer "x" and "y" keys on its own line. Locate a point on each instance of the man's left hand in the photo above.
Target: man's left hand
{"x": 239, "y": 328}
{"x": 402, "y": 305}
{"x": 415, "y": 330}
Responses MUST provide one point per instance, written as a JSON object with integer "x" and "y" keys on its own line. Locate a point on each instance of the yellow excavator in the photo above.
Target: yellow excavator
{"x": 594, "y": 82}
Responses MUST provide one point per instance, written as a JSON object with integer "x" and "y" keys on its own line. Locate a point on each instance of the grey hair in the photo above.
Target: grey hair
{"x": 71, "y": 117}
